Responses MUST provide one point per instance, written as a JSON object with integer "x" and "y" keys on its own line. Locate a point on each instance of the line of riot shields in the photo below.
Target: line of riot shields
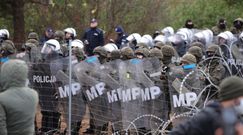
{"x": 129, "y": 96}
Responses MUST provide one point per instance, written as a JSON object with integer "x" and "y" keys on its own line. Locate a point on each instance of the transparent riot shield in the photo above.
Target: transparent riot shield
{"x": 158, "y": 108}
{"x": 111, "y": 78}
{"x": 236, "y": 60}
{"x": 136, "y": 94}
{"x": 44, "y": 81}
{"x": 78, "y": 105}
{"x": 186, "y": 84}
{"x": 94, "y": 89}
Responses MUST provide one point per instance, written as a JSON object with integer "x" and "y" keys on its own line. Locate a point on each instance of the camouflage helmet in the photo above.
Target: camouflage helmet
{"x": 189, "y": 59}
{"x": 168, "y": 51}
{"x": 115, "y": 54}
{"x": 33, "y": 41}
{"x": 100, "y": 51}
{"x": 33, "y": 35}
{"x": 199, "y": 44}
{"x": 155, "y": 52}
{"x": 196, "y": 51}
{"x": 214, "y": 49}
{"x": 79, "y": 53}
{"x": 127, "y": 53}
{"x": 143, "y": 51}
{"x": 142, "y": 45}
{"x": 28, "y": 46}
{"x": 60, "y": 35}
{"x": 7, "y": 48}
{"x": 159, "y": 45}
{"x": 238, "y": 19}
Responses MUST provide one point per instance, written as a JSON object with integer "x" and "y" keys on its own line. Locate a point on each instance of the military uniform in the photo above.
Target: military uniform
{"x": 6, "y": 50}
{"x": 102, "y": 54}
{"x": 115, "y": 54}
{"x": 197, "y": 52}
{"x": 238, "y": 26}
{"x": 214, "y": 68}
{"x": 168, "y": 52}
{"x": 127, "y": 53}
{"x": 220, "y": 27}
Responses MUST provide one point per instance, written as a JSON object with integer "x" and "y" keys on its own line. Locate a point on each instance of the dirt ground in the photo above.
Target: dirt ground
{"x": 85, "y": 122}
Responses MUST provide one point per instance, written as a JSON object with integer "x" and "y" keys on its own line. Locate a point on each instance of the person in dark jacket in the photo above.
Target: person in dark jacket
{"x": 93, "y": 37}
{"x": 207, "y": 121}
{"x": 49, "y": 34}
{"x": 121, "y": 37}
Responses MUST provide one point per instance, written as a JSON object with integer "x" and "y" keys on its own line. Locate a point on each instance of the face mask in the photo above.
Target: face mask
{"x": 238, "y": 25}
{"x": 239, "y": 108}
{"x": 189, "y": 26}
{"x": 222, "y": 26}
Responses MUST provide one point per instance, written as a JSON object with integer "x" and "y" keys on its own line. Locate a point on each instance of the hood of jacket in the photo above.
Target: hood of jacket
{"x": 13, "y": 73}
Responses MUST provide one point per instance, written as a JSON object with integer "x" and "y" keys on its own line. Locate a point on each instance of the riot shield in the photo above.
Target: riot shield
{"x": 94, "y": 89}
{"x": 158, "y": 106}
{"x": 78, "y": 105}
{"x": 236, "y": 60}
{"x": 137, "y": 94}
{"x": 44, "y": 81}
{"x": 186, "y": 86}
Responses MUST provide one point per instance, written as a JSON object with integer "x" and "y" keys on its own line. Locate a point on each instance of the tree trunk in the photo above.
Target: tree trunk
{"x": 18, "y": 23}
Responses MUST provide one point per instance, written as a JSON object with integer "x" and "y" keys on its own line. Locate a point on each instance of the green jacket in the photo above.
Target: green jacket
{"x": 18, "y": 103}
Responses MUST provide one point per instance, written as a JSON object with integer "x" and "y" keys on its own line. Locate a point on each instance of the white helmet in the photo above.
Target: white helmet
{"x": 206, "y": 35}
{"x": 147, "y": 39}
{"x": 110, "y": 47}
{"x": 134, "y": 36}
{"x": 51, "y": 45}
{"x": 186, "y": 34}
{"x": 227, "y": 35}
{"x": 167, "y": 31}
{"x": 77, "y": 43}
{"x": 71, "y": 31}
{"x": 4, "y": 33}
{"x": 160, "y": 38}
{"x": 241, "y": 36}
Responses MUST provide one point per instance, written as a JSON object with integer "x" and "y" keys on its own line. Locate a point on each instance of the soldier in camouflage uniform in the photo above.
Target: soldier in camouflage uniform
{"x": 220, "y": 27}
{"x": 168, "y": 52}
{"x": 7, "y": 49}
{"x": 60, "y": 37}
{"x": 101, "y": 53}
{"x": 157, "y": 53}
{"x": 115, "y": 54}
{"x": 199, "y": 44}
{"x": 214, "y": 69}
{"x": 237, "y": 26}
{"x": 127, "y": 53}
{"x": 79, "y": 53}
{"x": 33, "y": 35}
{"x": 142, "y": 53}
{"x": 197, "y": 52}
{"x": 159, "y": 45}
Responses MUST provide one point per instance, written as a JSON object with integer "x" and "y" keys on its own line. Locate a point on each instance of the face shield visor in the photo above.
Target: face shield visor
{"x": 47, "y": 49}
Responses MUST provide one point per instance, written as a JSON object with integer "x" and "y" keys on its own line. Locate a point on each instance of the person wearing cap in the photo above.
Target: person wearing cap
{"x": 121, "y": 36}
{"x": 49, "y": 34}
{"x": 209, "y": 119}
{"x": 93, "y": 37}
